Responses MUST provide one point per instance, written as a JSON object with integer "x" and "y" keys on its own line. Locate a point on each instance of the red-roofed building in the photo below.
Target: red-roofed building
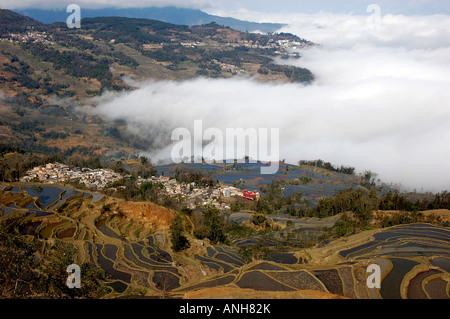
{"x": 251, "y": 195}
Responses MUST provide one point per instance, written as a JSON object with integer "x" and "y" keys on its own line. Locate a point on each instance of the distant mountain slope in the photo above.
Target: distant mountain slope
{"x": 173, "y": 15}
{"x": 161, "y": 50}
{"x": 40, "y": 62}
{"x": 12, "y": 22}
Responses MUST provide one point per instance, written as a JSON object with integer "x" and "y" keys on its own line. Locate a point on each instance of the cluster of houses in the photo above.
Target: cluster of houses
{"x": 194, "y": 195}
{"x": 97, "y": 179}
{"x": 271, "y": 44}
{"x": 198, "y": 196}
{"x": 30, "y": 36}
{"x": 228, "y": 67}
{"x": 52, "y": 173}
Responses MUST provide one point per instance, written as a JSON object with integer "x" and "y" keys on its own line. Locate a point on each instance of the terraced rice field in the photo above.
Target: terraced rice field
{"x": 300, "y": 229}
{"x": 285, "y": 220}
{"x": 412, "y": 253}
{"x": 406, "y": 240}
{"x": 126, "y": 263}
{"x": 414, "y": 259}
{"x": 142, "y": 263}
{"x": 37, "y": 197}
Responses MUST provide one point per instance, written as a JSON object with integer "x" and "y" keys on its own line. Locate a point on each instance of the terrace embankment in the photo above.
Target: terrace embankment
{"x": 329, "y": 254}
{"x": 237, "y": 293}
{"x": 150, "y": 215}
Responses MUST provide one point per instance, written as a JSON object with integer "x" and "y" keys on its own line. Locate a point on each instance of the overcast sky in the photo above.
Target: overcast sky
{"x": 229, "y": 7}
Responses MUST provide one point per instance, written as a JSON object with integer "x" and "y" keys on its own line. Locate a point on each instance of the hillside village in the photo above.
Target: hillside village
{"x": 280, "y": 45}
{"x": 29, "y": 36}
{"x": 53, "y": 173}
{"x": 100, "y": 179}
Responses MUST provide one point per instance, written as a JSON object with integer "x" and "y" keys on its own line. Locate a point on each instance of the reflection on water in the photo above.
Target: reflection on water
{"x": 390, "y": 286}
{"x": 8, "y": 210}
{"x": 47, "y": 195}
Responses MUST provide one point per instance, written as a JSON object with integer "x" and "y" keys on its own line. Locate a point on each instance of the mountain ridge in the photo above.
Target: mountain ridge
{"x": 172, "y": 15}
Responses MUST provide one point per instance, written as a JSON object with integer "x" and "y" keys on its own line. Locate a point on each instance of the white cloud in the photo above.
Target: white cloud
{"x": 380, "y": 102}
{"x": 229, "y": 7}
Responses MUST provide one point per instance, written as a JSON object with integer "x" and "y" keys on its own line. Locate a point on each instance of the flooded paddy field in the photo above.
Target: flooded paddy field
{"x": 415, "y": 290}
{"x": 437, "y": 288}
{"x": 39, "y": 197}
{"x": 390, "y": 287}
{"x": 127, "y": 263}
{"x": 413, "y": 253}
{"x": 258, "y": 280}
{"x": 405, "y": 240}
{"x": 420, "y": 271}
{"x": 414, "y": 259}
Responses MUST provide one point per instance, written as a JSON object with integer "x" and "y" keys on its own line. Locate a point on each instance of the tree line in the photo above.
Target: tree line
{"x": 327, "y": 165}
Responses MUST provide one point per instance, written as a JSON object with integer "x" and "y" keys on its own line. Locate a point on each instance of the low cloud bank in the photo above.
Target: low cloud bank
{"x": 380, "y": 102}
